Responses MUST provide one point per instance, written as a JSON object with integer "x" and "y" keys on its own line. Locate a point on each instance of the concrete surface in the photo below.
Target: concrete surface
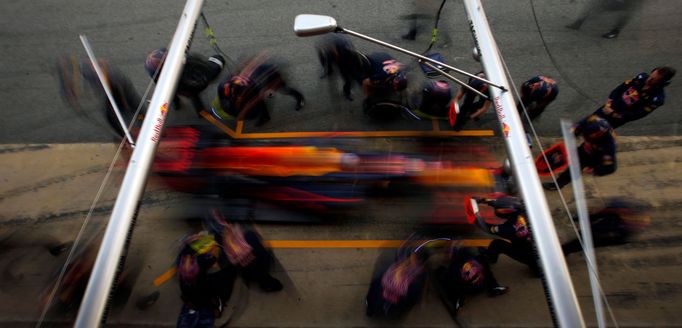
{"x": 531, "y": 36}
{"x": 52, "y": 161}
{"x": 326, "y": 287}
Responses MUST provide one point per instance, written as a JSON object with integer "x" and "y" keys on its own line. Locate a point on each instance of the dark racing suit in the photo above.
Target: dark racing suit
{"x": 597, "y": 157}
{"x": 396, "y": 286}
{"x": 516, "y": 230}
{"x": 454, "y": 281}
{"x": 197, "y": 74}
{"x": 615, "y": 224}
{"x": 631, "y": 102}
{"x": 382, "y": 69}
{"x": 435, "y": 98}
{"x": 205, "y": 284}
{"x": 471, "y": 102}
{"x": 122, "y": 90}
{"x": 537, "y": 93}
{"x": 337, "y": 50}
{"x": 243, "y": 94}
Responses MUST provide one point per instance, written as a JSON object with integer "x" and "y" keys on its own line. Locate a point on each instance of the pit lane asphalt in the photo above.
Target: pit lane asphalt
{"x": 641, "y": 278}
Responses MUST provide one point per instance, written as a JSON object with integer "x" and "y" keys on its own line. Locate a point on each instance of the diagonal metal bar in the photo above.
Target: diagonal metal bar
{"x": 104, "y": 271}
{"x": 584, "y": 218}
{"x": 421, "y": 57}
{"x": 442, "y": 72}
{"x": 562, "y": 295}
{"x": 107, "y": 88}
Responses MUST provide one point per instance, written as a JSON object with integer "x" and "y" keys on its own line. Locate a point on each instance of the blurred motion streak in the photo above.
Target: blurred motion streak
{"x": 471, "y": 177}
{"x": 340, "y": 134}
{"x": 197, "y": 160}
{"x": 160, "y": 280}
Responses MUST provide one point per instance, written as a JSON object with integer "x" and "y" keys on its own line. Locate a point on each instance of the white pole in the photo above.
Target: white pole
{"x": 562, "y": 295}
{"x": 107, "y": 88}
{"x": 583, "y": 216}
{"x": 464, "y": 85}
{"x": 104, "y": 270}
{"x": 416, "y": 55}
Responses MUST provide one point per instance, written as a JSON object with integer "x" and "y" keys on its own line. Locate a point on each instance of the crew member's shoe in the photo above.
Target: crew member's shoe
{"x": 411, "y": 35}
{"x": 498, "y": 290}
{"x": 575, "y": 25}
{"x": 610, "y": 34}
{"x": 549, "y": 186}
{"x": 270, "y": 284}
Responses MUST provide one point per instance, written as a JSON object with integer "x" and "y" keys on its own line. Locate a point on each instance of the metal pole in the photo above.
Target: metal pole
{"x": 442, "y": 72}
{"x": 414, "y": 54}
{"x": 107, "y": 88}
{"x": 104, "y": 270}
{"x": 583, "y": 216}
{"x": 562, "y": 295}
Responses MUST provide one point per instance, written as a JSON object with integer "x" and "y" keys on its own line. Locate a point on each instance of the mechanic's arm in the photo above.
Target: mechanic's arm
{"x": 459, "y": 95}
{"x": 367, "y": 86}
{"x": 476, "y": 115}
{"x": 606, "y": 166}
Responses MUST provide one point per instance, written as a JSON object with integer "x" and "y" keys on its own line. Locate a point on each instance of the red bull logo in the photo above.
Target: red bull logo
{"x": 391, "y": 66}
{"x": 505, "y": 129}
{"x": 159, "y": 122}
{"x": 498, "y": 109}
{"x": 630, "y": 96}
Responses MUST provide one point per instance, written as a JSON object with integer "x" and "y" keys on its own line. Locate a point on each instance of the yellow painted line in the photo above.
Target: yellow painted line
{"x": 464, "y": 176}
{"x": 218, "y": 124}
{"x": 367, "y": 134}
{"x": 240, "y": 127}
{"x": 164, "y": 277}
{"x": 300, "y": 244}
{"x": 238, "y": 134}
{"x": 358, "y": 243}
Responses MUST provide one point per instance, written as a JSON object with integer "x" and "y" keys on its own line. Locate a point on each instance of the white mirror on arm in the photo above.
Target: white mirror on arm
{"x": 309, "y": 25}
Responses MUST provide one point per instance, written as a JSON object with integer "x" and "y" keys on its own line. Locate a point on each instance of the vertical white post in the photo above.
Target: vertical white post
{"x": 562, "y": 295}
{"x": 583, "y": 216}
{"x": 101, "y": 279}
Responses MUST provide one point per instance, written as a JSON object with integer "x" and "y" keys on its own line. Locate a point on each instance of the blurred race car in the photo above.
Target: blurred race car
{"x": 199, "y": 161}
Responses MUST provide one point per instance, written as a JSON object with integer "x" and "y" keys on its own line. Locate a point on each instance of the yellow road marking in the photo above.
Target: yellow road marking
{"x": 332, "y": 244}
{"x": 240, "y": 127}
{"x": 164, "y": 277}
{"x": 238, "y": 134}
{"x": 367, "y": 134}
{"x": 357, "y": 243}
{"x": 218, "y": 124}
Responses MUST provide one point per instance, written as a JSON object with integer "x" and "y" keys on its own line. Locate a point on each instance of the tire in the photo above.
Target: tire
{"x": 384, "y": 110}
